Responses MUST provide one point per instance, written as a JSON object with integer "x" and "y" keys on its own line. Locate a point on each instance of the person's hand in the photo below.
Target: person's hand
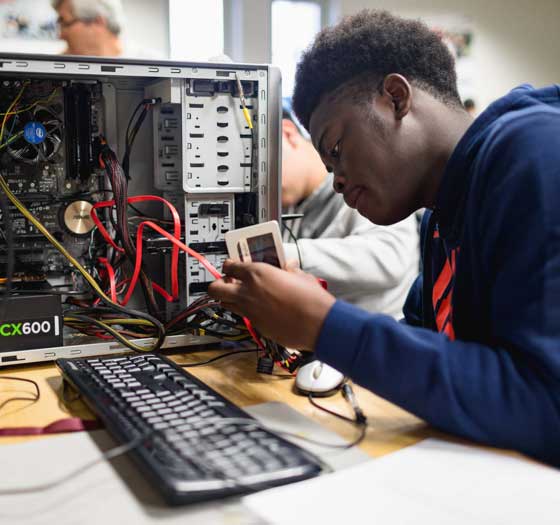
{"x": 286, "y": 306}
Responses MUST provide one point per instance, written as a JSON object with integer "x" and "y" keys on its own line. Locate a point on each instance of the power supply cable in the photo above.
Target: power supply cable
{"x": 216, "y": 358}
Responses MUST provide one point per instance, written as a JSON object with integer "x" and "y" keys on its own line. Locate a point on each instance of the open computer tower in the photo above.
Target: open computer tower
{"x": 193, "y": 147}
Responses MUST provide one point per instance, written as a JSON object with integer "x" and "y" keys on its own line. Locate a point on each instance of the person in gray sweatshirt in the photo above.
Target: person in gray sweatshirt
{"x": 367, "y": 265}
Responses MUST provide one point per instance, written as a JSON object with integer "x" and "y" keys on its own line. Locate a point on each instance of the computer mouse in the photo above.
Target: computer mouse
{"x": 319, "y": 379}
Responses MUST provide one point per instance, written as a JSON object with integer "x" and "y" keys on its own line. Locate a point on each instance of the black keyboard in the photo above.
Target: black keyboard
{"x": 193, "y": 444}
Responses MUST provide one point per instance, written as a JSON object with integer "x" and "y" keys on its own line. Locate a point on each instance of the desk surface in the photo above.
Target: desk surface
{"x": 235, "y": 377}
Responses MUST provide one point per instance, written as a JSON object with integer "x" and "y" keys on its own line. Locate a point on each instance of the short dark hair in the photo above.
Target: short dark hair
{"x": 362, "y": 49}
{"x": 288, "y": 114}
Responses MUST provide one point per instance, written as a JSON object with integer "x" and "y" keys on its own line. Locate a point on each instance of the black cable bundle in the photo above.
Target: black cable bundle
{"x": 206, "y": 317}
{"x": 132, "y": 131}
{"x": 119, "y": 186}
{"x": 290, "y": 361}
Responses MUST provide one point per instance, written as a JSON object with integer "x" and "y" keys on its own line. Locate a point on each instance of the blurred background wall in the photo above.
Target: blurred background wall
{"x": 509, "y": 41}
{"x": 514, "y": 41}
{"x": 148, "y": 24}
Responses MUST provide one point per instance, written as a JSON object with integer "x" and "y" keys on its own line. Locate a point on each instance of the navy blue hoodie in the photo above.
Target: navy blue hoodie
{"x": 485, "y": 361}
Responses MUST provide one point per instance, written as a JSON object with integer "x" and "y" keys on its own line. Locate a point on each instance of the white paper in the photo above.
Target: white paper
{"x": 434, "y": 482}
{"x": 116, "y": 492}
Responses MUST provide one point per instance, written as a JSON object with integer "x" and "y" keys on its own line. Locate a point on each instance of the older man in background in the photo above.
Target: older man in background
{"x": 91, "y": 27}
{"x": 367, "y": 265}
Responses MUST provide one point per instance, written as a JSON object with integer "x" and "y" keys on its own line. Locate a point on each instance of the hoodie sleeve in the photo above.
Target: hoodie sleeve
{"x": 505, "y": 391}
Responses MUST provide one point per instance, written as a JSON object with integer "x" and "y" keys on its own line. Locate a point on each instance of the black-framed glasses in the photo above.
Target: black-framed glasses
{"x": 63, "y": 24}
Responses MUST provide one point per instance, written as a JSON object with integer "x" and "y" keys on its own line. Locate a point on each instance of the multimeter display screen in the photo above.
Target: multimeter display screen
{"x": 262, "y": 249}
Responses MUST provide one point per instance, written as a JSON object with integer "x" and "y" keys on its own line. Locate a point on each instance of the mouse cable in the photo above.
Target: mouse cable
{"x": 360, "y": 420}
{"x": 348, "y": 394}
{"x": 36, "y": 397}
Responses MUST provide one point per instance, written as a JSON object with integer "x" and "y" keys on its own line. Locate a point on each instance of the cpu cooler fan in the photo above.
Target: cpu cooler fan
{"x": 40, "y": 133}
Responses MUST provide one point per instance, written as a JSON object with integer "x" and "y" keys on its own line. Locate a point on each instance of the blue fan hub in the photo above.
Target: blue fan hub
{"x": 34, "y": 132}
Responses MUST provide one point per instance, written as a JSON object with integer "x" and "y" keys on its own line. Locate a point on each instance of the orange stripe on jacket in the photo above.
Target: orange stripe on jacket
{"x": 441, "y": 301}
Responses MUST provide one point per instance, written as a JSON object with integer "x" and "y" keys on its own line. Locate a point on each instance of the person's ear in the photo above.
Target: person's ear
{"x": 290, "y": 133}
{"x": 398, "y": 90}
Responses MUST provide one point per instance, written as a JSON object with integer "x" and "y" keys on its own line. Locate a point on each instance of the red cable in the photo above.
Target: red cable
{"x": 177, "y": 244}
{"x": 111, "y": 274}
{"x": 254, "y": 335}
{"x": 138, "y": 262}
{"x": 157, "y": 288}
{"x": 194, "y": 254}
{"x": 119, "y": 289}
{"x": 169, "y": 298}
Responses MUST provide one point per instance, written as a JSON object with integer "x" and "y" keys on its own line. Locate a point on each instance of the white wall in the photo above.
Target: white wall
{"x": 247, "y": 30}
{"x": 148, "y": 26}
{"x": 515, "y": 41}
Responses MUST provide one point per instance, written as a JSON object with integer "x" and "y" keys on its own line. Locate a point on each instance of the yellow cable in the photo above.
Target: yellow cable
{"x": 11, "y": 139}
{"x": 31, "y": 218}
{"x": 247, "y": 116}
{"x": 246, "y": 113}
{"x": 14, "y": 102}
{"x": 107, "y": 328}
{"x": 123, "y": 321}
{"x": 31, "y": 106}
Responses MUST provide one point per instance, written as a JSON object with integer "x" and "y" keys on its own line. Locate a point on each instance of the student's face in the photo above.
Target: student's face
{"x": 373, "y": 157}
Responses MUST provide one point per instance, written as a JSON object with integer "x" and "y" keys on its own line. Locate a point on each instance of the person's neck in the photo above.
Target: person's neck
{"x": 102, "y": 47}
{"x": 446, "y": 132}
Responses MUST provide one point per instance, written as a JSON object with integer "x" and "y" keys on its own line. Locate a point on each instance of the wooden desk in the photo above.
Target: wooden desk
{"x": 390, "y": 428}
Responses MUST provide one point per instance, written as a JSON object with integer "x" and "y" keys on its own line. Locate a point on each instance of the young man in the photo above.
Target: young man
{"x": 378, "y": 94}
{"x": 367, "y": 265}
